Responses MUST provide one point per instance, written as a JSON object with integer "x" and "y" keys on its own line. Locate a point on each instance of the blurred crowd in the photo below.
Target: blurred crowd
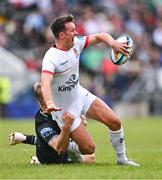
{"x": 25, "y": 30}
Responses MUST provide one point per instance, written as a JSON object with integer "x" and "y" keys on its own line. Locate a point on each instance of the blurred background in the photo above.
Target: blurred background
{"x": 133, "y": 89}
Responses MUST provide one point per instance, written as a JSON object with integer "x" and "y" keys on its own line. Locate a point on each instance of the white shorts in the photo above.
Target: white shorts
{"x": 78, "y": 107}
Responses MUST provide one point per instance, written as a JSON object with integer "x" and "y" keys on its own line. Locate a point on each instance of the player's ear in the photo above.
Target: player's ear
{"x": 61, "y": 35}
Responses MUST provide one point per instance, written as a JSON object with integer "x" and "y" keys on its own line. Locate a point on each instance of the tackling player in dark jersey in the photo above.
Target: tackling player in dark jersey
{"x": 51, "y": 141}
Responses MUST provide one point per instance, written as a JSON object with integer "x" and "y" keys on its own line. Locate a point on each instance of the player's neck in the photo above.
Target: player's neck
{"x": 61, "y": 46}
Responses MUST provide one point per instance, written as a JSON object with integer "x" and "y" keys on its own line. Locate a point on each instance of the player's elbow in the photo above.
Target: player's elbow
{"x": 57, "y": 148}
{"x": 60, "y": 148}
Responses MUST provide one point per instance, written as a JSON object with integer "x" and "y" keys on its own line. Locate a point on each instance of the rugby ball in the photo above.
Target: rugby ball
{"x": 119, "y": 58}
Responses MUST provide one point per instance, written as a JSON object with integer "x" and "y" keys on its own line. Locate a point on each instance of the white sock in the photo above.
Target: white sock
{"x": 118, "y": 143}
{"x": 73, "y": 147}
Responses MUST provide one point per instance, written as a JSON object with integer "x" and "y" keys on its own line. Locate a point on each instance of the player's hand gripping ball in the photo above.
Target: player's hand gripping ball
{"x": 119, "y": 58}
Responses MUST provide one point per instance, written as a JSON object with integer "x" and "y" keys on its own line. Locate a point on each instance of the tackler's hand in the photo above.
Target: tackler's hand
{"x": 68, "y": 119}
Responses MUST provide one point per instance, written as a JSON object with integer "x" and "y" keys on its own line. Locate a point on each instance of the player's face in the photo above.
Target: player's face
{"x": 70, "y": 33}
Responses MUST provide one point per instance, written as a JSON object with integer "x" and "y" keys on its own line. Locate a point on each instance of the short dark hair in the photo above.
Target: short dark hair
{"x": 59, "y": 24}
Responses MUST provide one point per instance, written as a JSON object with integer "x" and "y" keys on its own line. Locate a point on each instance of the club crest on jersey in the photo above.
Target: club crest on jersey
{"x": 75, "y": 52}
{"x": 70, "y": 84}
{"x": 45, "y": 132}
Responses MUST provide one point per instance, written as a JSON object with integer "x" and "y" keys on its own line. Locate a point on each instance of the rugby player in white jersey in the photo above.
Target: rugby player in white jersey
{"x": 62, "y": 91}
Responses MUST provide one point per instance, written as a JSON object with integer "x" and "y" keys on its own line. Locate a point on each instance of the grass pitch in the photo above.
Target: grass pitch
{"x": 143, "y": 142}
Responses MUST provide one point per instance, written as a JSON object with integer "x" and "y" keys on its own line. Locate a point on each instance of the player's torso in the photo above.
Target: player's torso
{"x": 66, "y": 76}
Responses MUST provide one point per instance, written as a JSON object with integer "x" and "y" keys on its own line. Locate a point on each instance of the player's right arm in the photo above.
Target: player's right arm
{"x": 109, "y": 41}
{"x": 47, "y": 92}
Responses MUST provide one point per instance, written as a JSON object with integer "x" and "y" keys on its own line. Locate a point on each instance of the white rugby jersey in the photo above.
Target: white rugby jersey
{"x": 64, "y": 65}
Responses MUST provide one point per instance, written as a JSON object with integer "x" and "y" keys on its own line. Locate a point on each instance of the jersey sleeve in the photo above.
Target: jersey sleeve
{"x": 82, "y": 42}
{"x": 47, "y": 133}
{"x": 48, "y": 64}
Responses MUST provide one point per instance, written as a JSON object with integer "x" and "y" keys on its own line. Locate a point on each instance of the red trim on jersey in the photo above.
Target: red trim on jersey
{"x": 47, "y": 72}
{"x": 86, "y": 42}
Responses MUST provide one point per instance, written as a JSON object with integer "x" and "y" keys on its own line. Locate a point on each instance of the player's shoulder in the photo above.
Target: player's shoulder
{"x": 80, "y": 41}
{"x": 40, "y": 113}
{"x": 51, "y": 52}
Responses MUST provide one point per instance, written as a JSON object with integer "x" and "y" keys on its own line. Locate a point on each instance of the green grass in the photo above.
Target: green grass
{"x": 143, "y": 142}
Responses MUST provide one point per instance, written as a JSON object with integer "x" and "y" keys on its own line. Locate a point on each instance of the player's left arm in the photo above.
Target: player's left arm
{"x": 109, "y": 41}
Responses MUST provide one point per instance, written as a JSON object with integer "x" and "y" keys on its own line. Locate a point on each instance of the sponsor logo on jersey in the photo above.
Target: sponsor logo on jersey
{"x": 69, "y": 85}
{"x": 63, "y": 63}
